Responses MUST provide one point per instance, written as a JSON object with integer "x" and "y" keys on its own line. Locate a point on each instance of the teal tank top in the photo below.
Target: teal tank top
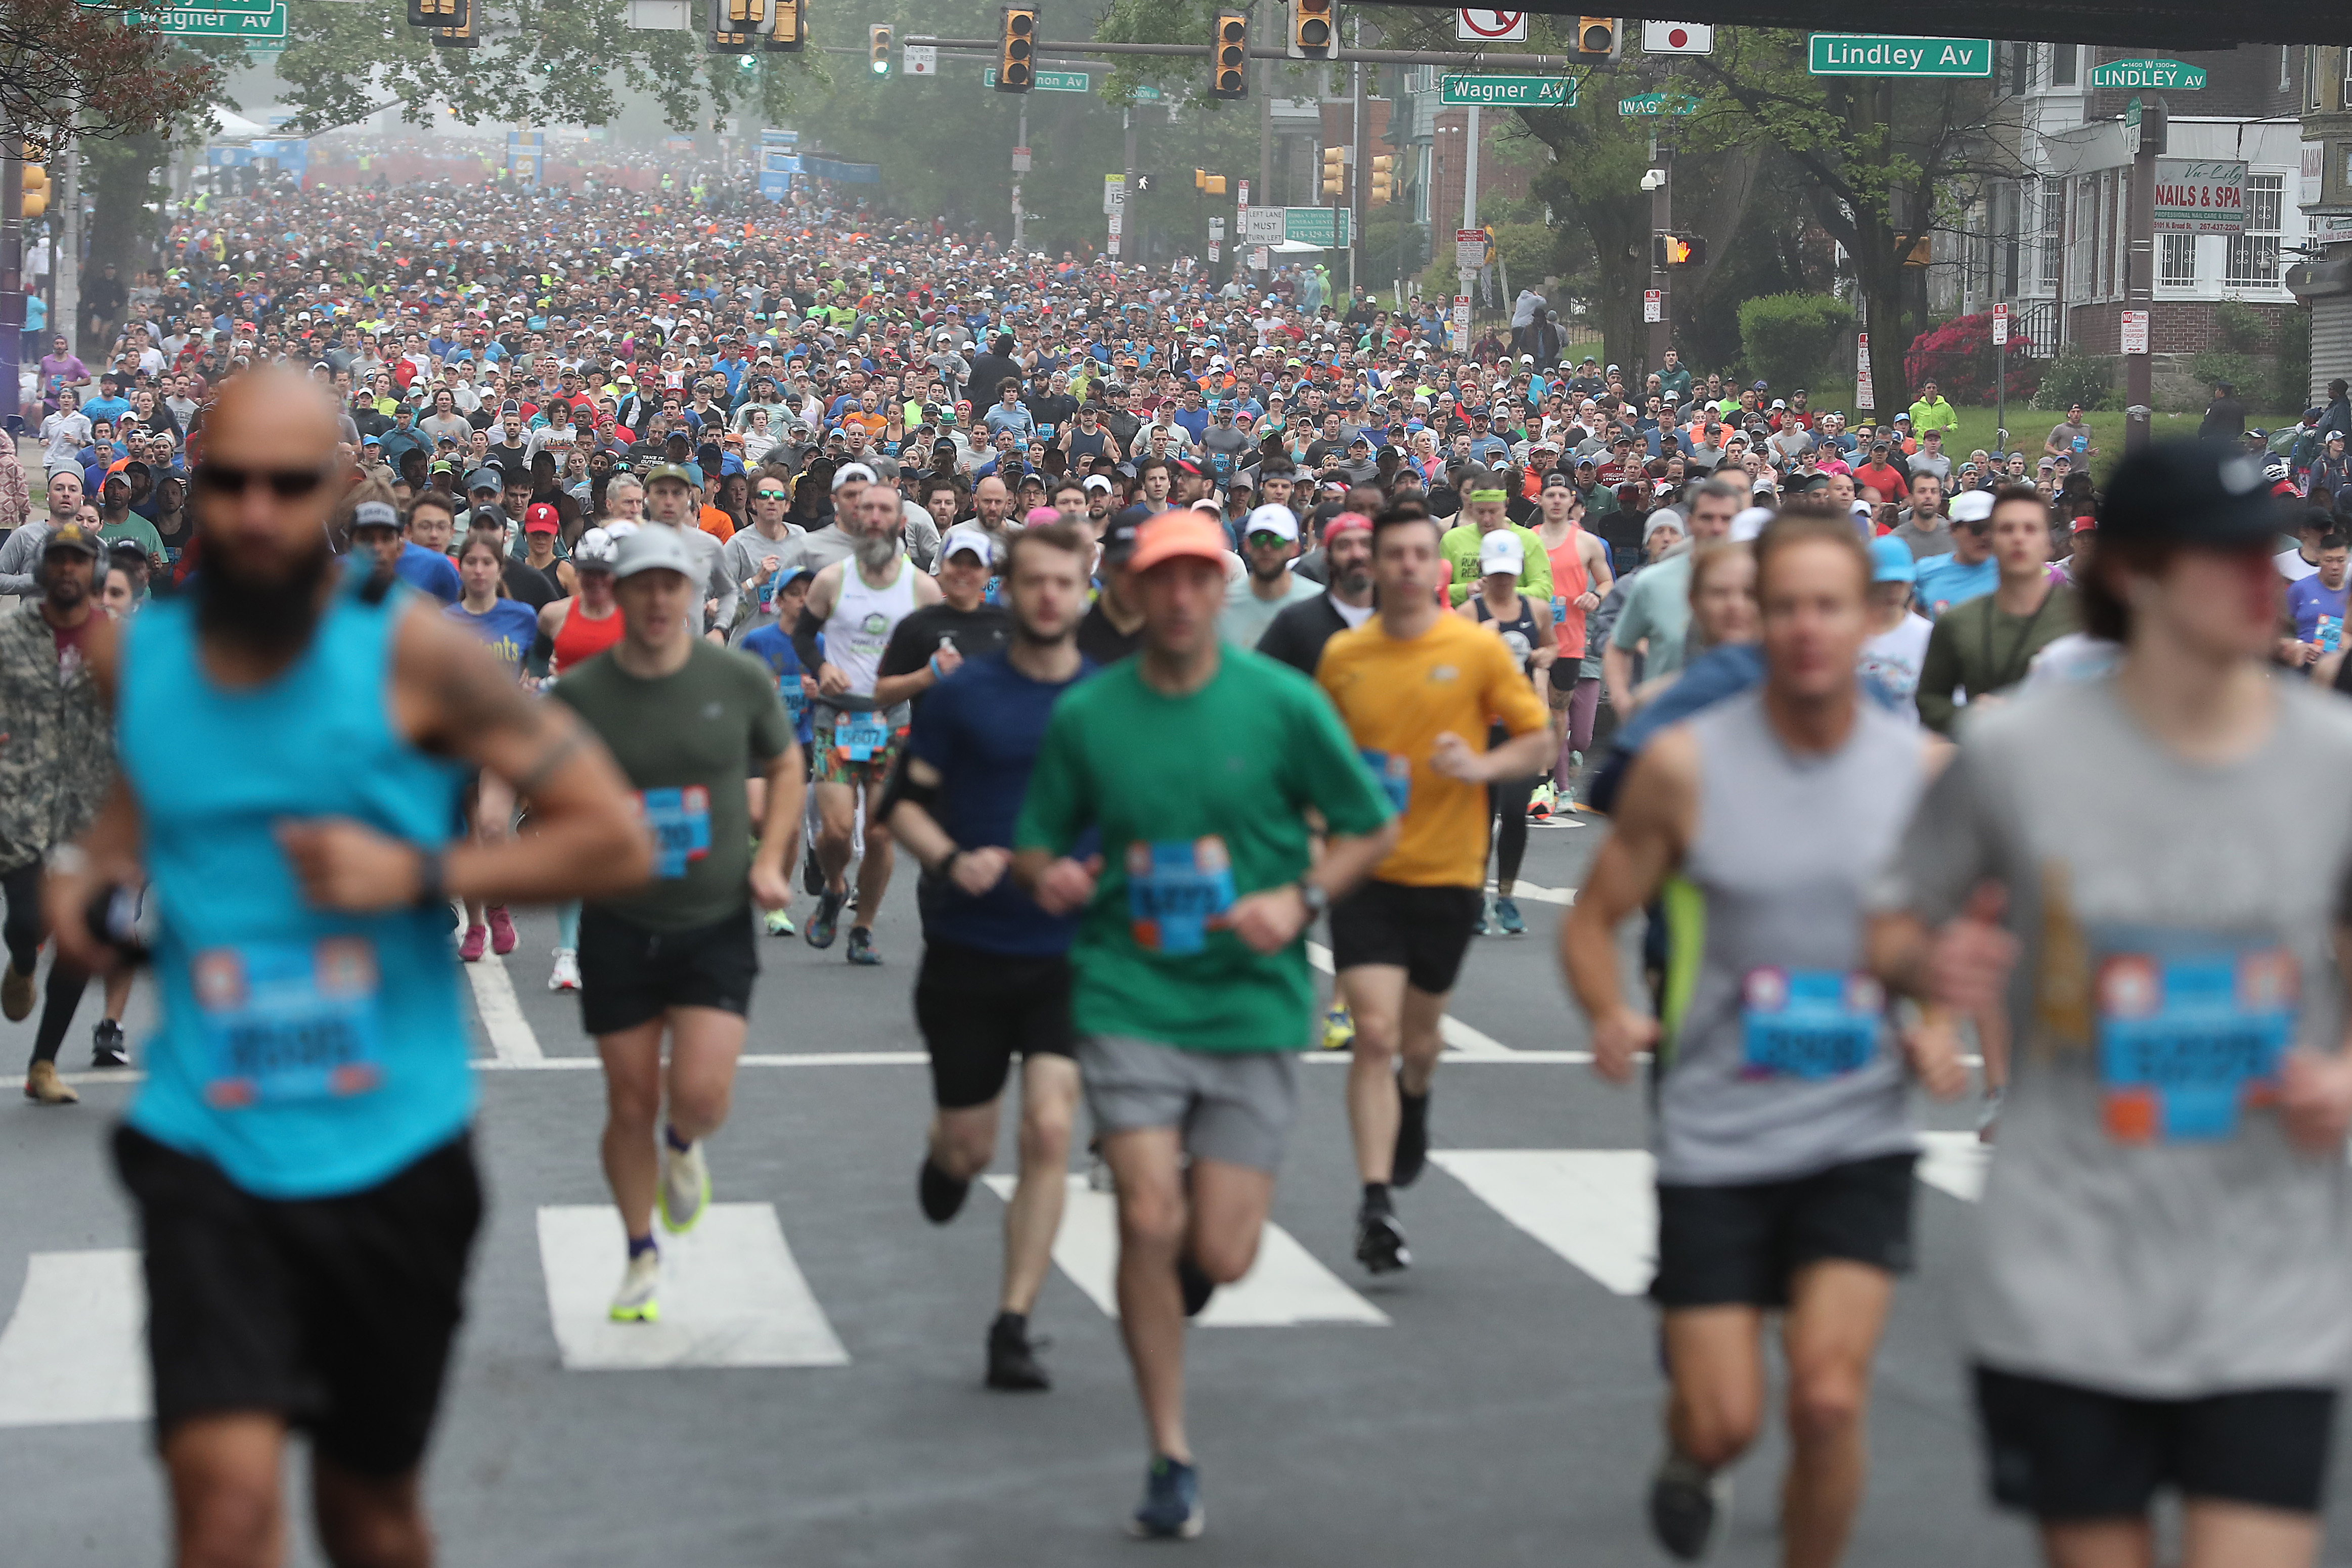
{"x": 306, "y": 1054}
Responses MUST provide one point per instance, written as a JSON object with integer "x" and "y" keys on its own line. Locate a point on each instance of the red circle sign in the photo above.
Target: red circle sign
{"x": 1493, "y": 24}
{"x": 1678, "y": 37}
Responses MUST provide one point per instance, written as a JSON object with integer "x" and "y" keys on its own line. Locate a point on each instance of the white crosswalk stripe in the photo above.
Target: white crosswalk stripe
{"x": 1954, "y": 1163}
{"x": 1286, "y": 1286}
{"x": 75, "y": 1351}
{"x": 1596, "y": 1208}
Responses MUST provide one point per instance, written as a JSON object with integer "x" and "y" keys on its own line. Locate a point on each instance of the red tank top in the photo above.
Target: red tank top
{"x": 1569, "y": 583}
{"x": 580, "y": 639}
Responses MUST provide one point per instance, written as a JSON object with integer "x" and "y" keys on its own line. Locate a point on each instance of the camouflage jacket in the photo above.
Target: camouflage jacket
{"x": 56, "y": 742}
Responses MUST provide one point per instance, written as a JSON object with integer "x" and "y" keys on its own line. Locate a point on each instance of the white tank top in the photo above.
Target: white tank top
{"x": 862, "y": 620}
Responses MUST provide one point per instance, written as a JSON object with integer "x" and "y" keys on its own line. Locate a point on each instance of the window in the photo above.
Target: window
{"x": 2054, "y": 233}
{"x": 2021, "y": 67}
{"x": 2254, "y": 255}
{"x": 2287, "y": 68}
{"x": 2062, "y": 64}
{"x": 2343, "y": 90}
{"x": 2176, "y": 261}
{"x": 2311, "y": 77}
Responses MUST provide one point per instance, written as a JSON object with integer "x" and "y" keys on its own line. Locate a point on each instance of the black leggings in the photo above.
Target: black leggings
{"x": 24, "y": 932}
{"x": 1507, "y": 802}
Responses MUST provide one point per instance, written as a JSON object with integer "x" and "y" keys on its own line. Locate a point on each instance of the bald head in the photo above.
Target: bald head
{"x": 272, "y": 407}
{"x": 265, "y": 484}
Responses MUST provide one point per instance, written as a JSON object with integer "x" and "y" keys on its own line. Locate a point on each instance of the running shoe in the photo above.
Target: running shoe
{"x": 1539, "y": 804}
{"x": 1485, "y": 927}
{"x": 1171, "y": 1509}
{"x": 685, "y": 1187}
{"x": 1013, "y": 1361}
{"x": 565, "y": 975}
{"x": 825, "y": 923}
{"x": 1380, "y": 1241}
{"x": 1689, "y": 1509}
{"x": 1411, "y": 1139}
{"x": 1338, "y": 1027}
{"x": 861, "y": 947}
{"x": 1507, "y": 916}
{"x": 502, "y": 931}
{"x": 106, "y": 1047}
{"x": 941, "y": 1193}
{"x": 43, "y": 1087}
{"x": 16, "y": 995}
{"x": 636, "y": 1302}
{"x": 780, "y": 923}
{"x": 477, "y": 938}
{"x": 1194, "y": 1282}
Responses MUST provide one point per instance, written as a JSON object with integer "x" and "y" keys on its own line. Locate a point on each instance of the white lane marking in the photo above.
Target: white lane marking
{"x": 917, "y": 1059}
{"x": 1562, "y": 895}
{"x": 512, "y": 1043}
{"x": 75, "y": 1351}
{"x": 1286, "y": 1285}
{"x": 731, "y": 1294}
{"x": 1954, "y": 1163}
{"x": 1464, "y": 1038}
{"x": 1596, "y": 1208}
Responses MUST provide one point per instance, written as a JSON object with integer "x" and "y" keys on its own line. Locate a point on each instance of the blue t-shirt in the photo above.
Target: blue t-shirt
{"x": 980, "y": 727}
{"x": 430, "y": 570}
{"x": 2318, "y": 612}
{"x": 507, "y": 628}
{"x": 1944, "y": 583}
{"x": 772, "y": 646}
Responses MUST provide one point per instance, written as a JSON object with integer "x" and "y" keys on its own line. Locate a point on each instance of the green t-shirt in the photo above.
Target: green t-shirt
{"x": 138, "y": 531}
{"x": 1459, "y": 544}
{"x": 686, "y": 742}
{"x": 1199, "y": 800}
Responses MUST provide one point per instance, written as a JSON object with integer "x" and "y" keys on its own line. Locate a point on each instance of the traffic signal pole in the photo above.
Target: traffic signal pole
{"x": 1356, "y": 167}
{"x": 12, "y": 271}
{"x": 1662, "y": 222}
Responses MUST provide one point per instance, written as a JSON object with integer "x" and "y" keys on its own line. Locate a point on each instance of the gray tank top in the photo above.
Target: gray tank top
{"x": 1780, "y": 1060}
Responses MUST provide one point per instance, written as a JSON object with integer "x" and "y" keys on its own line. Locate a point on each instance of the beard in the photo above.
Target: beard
{"x": 270, "y": 616}
{"x": 875, "y": 551}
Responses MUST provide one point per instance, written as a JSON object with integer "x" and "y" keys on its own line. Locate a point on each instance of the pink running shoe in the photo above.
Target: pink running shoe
{"x": 502, "y": 931}
{"x": 477, "y": 938}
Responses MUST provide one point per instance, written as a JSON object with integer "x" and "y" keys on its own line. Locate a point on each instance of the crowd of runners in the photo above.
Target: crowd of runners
{"x": 686, "y": 573}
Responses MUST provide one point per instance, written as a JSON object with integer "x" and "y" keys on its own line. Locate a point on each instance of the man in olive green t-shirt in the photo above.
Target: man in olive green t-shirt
{"x": 1485, "y": 509}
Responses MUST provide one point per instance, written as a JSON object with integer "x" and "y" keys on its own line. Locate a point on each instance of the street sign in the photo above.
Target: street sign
{"x": 1325, "y": 227}
{"x": 1216, "y": 229}
{"x": 1469, "y": 249}
{"x": 1242, "y": 200}
{"x": 2200, "y": 196}
{"x": 1677, "y": 38}
{"x": 1020, "y": 159}
{"x": 1882, "y": 55}
{"x": 1999, "y": 325}
{"x": 1508, "y": 92}
{"x": 922, "y": 60}
{"x": 1115, "y": 225}
{"x": 1653, "y": 305}
{"x": 2135, "y": 332}
{"x": 1114, "y": 193}
{"x": 2131, "y": 127}
{"x": 1473, "y": 27}
{"x": 2170, "y": 76}
{"x": 1258, "y": 259}
{"x": 216, "y": 21}
{"x": 1864, "y": 396}
{"x": 1048, "y": 81}
{"x": 1262, "y": 225}
{"x": 1461, "y": 323}
{"x": 1646, "y": 103}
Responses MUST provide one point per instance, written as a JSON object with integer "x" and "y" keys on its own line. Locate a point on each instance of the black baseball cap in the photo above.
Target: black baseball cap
{"x": 2197, "y": 493}
{"x": 1119, "y": 538}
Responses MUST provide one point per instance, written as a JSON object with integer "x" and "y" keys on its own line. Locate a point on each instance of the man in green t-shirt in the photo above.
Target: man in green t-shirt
{"x": 1197, "y": 764}
{"x": 1485, "y": 506}
{"x": 689, "y": 722}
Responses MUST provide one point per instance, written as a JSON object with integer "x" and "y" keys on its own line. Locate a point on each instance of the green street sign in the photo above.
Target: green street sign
{"x": 1051, "y": 81}
{"x": 1326, "y": 226}
{"x": 216, "y": 21}
{"x": 1508, "y": 91}
{"x": 2175, "y": 76}
{"x": 1644, "y": 103}
{"x": 1882, "y": 55}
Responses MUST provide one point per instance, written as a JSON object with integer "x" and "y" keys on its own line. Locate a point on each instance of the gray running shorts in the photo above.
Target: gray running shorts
{"x": 1235, "y": 1107}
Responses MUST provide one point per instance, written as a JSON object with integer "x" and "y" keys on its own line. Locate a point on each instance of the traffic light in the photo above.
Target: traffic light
{"x": 441, "y": 13}
{"x": 1599, "y": 40}
{"x": 1229, "y": 71}
{"x": 791, "y": 29}
{"x": 462, "y": 36}
{"x": 37, "y": 189}
{"x": 1017, "y": 49}
{"x": 1334, "y": 171}
{"x": 1383, "y": 189}
{"x": 1207, "y": 183}
{"x": 732, "y": 23}
{"x": 1676, "y": 250}
{"x": 1313, "y": 35}
{"x": 878, "y": 49}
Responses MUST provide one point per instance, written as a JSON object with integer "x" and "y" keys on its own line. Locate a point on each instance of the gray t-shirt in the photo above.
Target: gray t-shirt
{"x": 2137, "y": 1236}
{"x": 1657, "y": 607}
{"x": 1934, "y": 539}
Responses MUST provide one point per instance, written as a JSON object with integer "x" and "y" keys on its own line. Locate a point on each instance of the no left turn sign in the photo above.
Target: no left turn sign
{"x": 1474, "y": 26}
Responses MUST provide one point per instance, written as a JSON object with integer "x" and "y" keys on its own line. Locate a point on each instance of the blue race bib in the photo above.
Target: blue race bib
{"x": 1558, "y": 609}
{"x": 2186, "y": 1042}
{"x": 2330, "y": 633}
{"x": 285, "y": 1022}
{"x": 680, "y": 820}
{"x": 795, "y": 700}
{"x": 1808, "y": 1023}
{"x": 1394, "y": 772}
{"x": 1178, "y": 890}
{"x": 858, "y": 736}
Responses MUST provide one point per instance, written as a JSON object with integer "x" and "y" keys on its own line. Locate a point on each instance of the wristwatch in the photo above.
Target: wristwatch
{"x": 1313, "y": 896}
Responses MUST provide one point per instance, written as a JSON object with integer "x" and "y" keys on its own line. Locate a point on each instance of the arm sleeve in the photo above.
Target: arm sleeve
{"x": 805, "y": 640}
{"x": 1939, "y": 675}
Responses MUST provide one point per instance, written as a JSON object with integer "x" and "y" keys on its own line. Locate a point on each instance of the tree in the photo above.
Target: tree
{"x": 64, "y": 63}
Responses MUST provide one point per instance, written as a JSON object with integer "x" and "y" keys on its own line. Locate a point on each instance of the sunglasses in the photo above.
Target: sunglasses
{"x": 286, "y": 484}
{"x": 771, "y": 496}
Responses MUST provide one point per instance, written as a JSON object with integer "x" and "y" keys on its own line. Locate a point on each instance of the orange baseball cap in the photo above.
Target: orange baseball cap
{"x": 1174, "y": 535}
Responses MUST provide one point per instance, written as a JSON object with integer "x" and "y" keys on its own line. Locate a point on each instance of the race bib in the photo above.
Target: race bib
{"x": 2187, "y": 1042}
{"x": 1808, "y": 1023}
{"x": 680, "y": 820}
{"x": 1558, "y": 609}
{"x": 288, "y": 1021}
{"x": 2330, "y": 633}
{"x": 1394, "y": 773}
{"x": 858, "y": 736}
{"x": 1178, "y": 890}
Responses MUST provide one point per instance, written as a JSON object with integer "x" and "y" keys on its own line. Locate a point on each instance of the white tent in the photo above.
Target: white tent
{"x": 1292, "y": 247}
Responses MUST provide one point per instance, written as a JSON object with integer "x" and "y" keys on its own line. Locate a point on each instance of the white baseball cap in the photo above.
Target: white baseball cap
{"x": 654, "y": 550}
{"x": 966, "y": 539}
{"x": 1501, "y": 551}
{"x": 1270, "y": 519}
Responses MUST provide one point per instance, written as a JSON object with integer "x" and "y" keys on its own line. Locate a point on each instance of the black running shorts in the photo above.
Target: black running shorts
{"x": 978, "y": 1011}
{"x": 336, "y": 1313}
{"x": 2062, "y": 1452}
{"x": 1738, "y": 1245}
{"x": 1424, "y": 931}
{"x": 630, "y": 976}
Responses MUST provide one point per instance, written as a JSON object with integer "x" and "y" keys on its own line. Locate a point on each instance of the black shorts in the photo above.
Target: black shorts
{"x": 2063, "y": 1452}
{"x": 336, "y": 1312}
{"x": 1738, "y": 1245}
{"x": 976, "y": 1009}
{"x": 1424, "y": 931}
{"x": 630, "y": 976}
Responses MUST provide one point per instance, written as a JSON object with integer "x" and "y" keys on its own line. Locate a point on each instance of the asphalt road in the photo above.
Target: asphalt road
{"x": 1497, "y": 1405}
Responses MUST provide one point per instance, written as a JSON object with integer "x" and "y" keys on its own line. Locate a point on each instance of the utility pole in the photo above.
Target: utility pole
{"x": 1020, "y": 167}
{"x": 65, "y": 265}
{"x": 2150, "y": 128}
{"x": 1470, "y": 190}
{"x": 1662, "y": 220}
{"x": 1127, "y": 189}
{"x": 1356, "y": 166}
{"x": 12, "y": 269}
{"x": 1264, "y": 190}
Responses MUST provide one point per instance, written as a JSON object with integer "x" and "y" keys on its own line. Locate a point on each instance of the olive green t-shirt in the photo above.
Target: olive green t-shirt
{"x": 687, "y": 741}
{"x": 1200, "y": 800}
